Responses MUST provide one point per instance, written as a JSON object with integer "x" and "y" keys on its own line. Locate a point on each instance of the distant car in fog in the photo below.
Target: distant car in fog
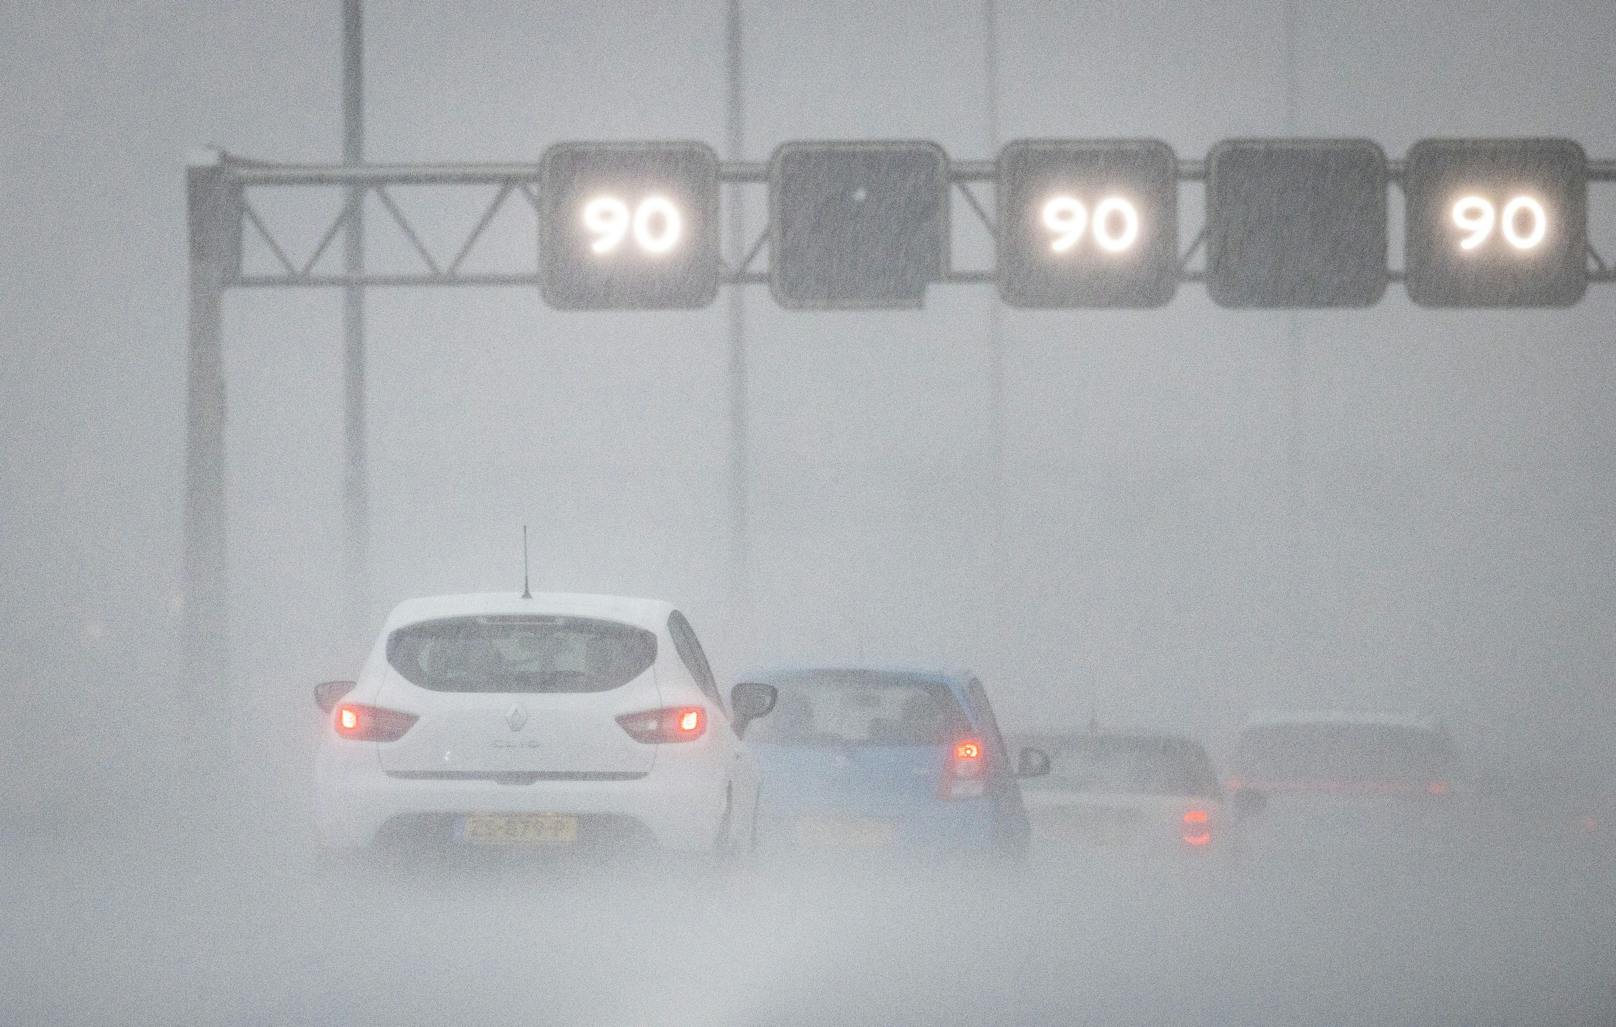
{"x": 1345, "y": 785}
{"x": 551, "y": 721}
{"x": 1139, "y": 795}
{"x": 887, "y": 759}
{"x": 1343, "y": 753}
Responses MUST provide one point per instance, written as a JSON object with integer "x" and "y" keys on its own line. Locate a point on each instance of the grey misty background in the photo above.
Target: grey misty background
{"x": 1453, "y": 551}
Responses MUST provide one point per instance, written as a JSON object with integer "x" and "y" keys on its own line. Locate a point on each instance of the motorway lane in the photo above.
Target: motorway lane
{"x": 255, "y": 929}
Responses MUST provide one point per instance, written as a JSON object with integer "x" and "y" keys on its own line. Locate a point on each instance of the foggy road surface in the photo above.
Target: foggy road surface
{"x": 258, "y": 930}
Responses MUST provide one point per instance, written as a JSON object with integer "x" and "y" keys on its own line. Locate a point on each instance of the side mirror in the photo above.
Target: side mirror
{"x": 1247, "y": 803}
{"x": 1032, "y": 763}
{"x": 328, "y": 693}
{"x": 750, "y": 700}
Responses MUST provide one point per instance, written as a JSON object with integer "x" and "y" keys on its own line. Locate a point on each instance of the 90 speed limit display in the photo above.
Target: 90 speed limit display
{"x": 629, "y": 225}
{"x": 1087, "y": 223}
{"x": 1289, "y": 223}
{"x": 1496, "y": 222}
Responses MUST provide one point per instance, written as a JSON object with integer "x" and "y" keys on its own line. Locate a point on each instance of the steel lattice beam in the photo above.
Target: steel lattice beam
{"x": 522, "y": 181}
{"x": 221, "y": 212}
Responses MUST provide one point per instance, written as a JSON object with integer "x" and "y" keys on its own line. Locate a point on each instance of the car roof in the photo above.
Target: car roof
{"x": 651, "y": 614}
{"x": 1124, "y": 737}
{"x": 954, "y": 679}
{"x": 1297, "y": 718}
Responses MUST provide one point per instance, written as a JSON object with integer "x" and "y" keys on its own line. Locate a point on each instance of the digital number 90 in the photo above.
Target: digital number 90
{"x": 1523, "y": 222}
{"x": 654, "y": 224}
{"x": 1114, "y": 223}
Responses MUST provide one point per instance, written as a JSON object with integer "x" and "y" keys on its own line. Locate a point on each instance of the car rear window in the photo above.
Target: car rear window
{"x": 861, "y": 709}
{"x": 1129, "y": 766}
{"x": 521, "y": 654}
{"x": 1342, "y": 754}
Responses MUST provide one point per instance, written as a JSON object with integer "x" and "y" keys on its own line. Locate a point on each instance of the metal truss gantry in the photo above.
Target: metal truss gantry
{"x": 221, "y": 213}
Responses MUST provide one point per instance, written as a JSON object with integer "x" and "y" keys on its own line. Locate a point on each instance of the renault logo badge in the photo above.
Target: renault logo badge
{"x": 516, "y": 718}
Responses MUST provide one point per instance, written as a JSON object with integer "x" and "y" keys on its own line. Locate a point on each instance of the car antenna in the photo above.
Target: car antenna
{"x": 527, "y": 593}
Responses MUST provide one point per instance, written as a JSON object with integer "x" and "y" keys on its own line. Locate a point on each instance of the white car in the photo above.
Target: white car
{"x": 1142, "y": 796}
{"x": 575, "y": 721}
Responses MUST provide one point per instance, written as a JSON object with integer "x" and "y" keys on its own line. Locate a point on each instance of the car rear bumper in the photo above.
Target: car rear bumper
{"x": 672, "y": 807}
{"x": 952, "y": 829}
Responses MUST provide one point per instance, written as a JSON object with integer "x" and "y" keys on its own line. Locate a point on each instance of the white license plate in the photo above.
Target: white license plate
{"x": 519, "y": 829}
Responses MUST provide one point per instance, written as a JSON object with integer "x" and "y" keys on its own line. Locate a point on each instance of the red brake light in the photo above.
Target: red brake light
{"x": 670, "y": 724}
{"x": 966, "y": 775}
{"x": 1197, "y": 827}
{"x": 361, "y": 723}
{"x": 1437, "y": 788}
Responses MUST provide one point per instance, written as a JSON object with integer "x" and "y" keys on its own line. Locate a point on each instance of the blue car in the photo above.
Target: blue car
{"x": 887, "y": 759}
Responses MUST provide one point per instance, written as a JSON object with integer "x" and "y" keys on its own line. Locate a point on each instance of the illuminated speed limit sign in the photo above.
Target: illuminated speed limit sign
{"x": 1087, "y": 223}
{"x": 1496, "y": 222}
{"x": 629, "y": 225}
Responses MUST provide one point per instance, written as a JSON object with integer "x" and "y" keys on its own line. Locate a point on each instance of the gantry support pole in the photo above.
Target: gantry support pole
{"x": 213, "y": 206}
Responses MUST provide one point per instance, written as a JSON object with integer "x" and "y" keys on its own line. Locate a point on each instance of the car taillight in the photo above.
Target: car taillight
{"x": 967, "y": 771}
{"x": 1436, "y": 788}
{"x": 670, "y": 724}
{"x": 361, "y": 723}
{"x": 1197, "y": 828}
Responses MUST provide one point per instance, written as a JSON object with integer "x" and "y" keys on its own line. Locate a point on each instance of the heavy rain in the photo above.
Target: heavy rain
{"x": 807, "y": 511}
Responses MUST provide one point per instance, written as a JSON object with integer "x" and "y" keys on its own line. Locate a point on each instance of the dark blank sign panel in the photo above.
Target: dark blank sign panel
{"x": 1296, "y": 223}
{"x": 1496, "y": 222}
{"x": 857, "y": 225}
{"x": 628, "y": 225}
{"x": 1087, "y": 223}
